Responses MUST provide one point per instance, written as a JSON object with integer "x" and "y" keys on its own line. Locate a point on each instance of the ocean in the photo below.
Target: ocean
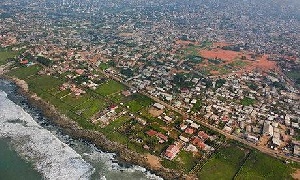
{"x": 31, "y": 147}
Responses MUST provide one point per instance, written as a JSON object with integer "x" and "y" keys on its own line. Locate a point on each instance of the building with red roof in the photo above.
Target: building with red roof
{"x": 189, "y": 130}
{"x": 203, "y": 135}
{"x": 171, "y": 152}
{"x": 151, "y": 132}
{"x": 198, "y": 143}
{"x": 163, "y": 138}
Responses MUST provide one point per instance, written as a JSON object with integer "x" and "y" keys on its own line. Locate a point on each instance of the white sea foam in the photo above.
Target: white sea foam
{"x": 51, "y": 157}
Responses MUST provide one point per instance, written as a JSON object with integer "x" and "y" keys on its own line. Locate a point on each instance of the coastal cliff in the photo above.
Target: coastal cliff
{"x": 71, "y": 128}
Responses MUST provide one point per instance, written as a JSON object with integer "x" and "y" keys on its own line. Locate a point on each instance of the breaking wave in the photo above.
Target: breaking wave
{"x": 51, "y": 157}
{"x": 54, "y": 154}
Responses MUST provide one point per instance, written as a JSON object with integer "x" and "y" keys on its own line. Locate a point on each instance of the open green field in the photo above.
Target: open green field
{"x": 5, "y": 55}
{"x": 295, "y": 76}
{"x": 192, "y": 51}
{"x": 111, "y": 130}
{"x": 230, "y": 162}
{"x": 237, "y": 162}
{"x": 110, "y": 87}
{"x": 261, "y": 166}
{"x": 247, "y": 101}
{"x": 239, "y": 63}
{"x": 206, "y": 44}
{"x": 24, "y": 72}
{"x": 224, "y": 164}
{"x": 125, "y": 131}
{"x": 80, "y": 108}
{"x": 185, "y": 161}
{"x": 138, "y": 102}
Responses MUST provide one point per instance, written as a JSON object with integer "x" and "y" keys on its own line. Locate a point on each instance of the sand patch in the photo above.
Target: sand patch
{"x": 153, "y": 161}
{"x": 155, "y": 112}
{"x": 296, "y": 174}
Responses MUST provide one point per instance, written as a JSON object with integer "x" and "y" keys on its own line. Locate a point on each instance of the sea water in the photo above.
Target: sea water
{"x": 33, "y": 147}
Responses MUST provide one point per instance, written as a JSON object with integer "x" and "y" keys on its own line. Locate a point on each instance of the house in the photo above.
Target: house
{"x": 113, "y": 107}
{"x": 183, "y": 126}
{"x": 185, "y": 90}
{"x": 151, "y": 132}
{"x": 194, "y": 101}
{"x": 24, "y": 62}
{"x": 194, "y": 125}
{"x": 141, "y": 121}
{"x": 167, "y": 119}
{"x": 184, "y": 139}
{"x": 171, "y": 152}
{"x": 159, "y": 106}
{"x": 203, "y": 135}
{"x": 189, "y": 131}
{"x": 191, "y": 148}
{"x": 297, "y": 150}
{"x": 198, "y": 143}
{"x": 227, "y": 129}
{"x": 268, "y": 129}
{"x": 79, "y": 71}
{"x": 162, "y": 138}
{"x": 126, "y": 93}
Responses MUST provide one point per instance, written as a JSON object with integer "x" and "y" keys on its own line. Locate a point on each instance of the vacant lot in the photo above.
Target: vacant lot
{"x": 24, "y": 72}
{"x": 138, "y": 102}
{"x": 110, "y": 87}
{"x": 5, "y": 55}
{"x": 224, "y": 164}
{"x": 261, "y": 166}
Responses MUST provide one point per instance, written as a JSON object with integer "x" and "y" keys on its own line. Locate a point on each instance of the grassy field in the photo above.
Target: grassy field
{"x": 247, "y": 101}
{"x": 115, "y": 132}
{"x": 261, "y": 166}
{"x": 104, "y": 66}
{"x": 4, "y": 55}
{"x": 187, "y": 160}
{"x": 192, "y": 51}
{"x": 24, "y": 72}
{"x": 138, "y": 102}
{"x": 78, "y": 108}
{"x": 294, "y": 75}
{"x": 224, "y": 164}
{"x": 239, "y": 63}
{"x": 206, "y": 44}
{"x": 110, "y": 87}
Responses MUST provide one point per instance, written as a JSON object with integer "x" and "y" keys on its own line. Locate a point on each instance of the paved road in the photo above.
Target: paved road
{"x": 203, "y": 123}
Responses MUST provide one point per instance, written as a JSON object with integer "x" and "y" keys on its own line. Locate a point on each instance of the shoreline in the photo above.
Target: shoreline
{"x": 70, "y": 127}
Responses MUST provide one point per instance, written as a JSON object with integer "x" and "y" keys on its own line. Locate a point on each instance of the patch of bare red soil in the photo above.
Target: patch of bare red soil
{"x": 220, "y": 54}
{"x": 262, "y": 64}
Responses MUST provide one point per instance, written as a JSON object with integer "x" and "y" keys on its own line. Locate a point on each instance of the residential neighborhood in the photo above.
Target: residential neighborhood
{"x": 179, "y": 81}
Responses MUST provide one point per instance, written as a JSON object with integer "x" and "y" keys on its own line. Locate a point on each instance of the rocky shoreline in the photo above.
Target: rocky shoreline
{"x": 71, "y": 128}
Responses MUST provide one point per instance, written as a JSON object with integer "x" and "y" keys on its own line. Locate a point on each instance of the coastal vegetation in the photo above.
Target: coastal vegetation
{"x": 261, "y": 166}
{"x": 235, "y": 161}
{"x": 6, "y": 55}
{"x": 223, "y": 164}
{"x": 134, "y": 118}
{"x": 110, "y": 87}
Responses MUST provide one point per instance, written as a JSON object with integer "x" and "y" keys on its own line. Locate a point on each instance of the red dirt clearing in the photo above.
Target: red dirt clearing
{"x": 220, "y": 54}
{"x": 263, "y": 64}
